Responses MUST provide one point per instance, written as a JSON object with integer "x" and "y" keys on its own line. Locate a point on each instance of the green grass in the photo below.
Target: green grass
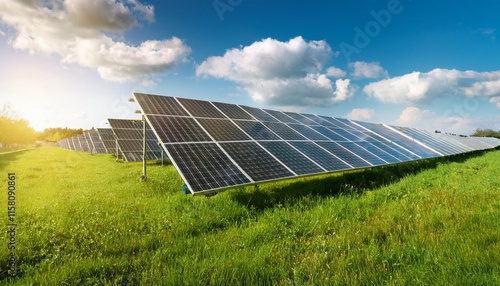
{"x": 88, "y": 220}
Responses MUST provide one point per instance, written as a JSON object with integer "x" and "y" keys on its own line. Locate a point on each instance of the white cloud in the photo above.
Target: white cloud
{"x": 361, "y": 114}
{"x": 428, "y": 120}
{"x": 76, "y": 30}
{"x": 418, "y": 87}
{"x": 367, "y": 70}
{"x": 412, "y": 115}
{"x": 335, "y": 72}
{"x": 280, "y": 73}
{"x": 496, "y": 100}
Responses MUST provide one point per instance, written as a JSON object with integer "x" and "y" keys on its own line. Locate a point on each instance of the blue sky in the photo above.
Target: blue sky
{"x": 425, "y": 64}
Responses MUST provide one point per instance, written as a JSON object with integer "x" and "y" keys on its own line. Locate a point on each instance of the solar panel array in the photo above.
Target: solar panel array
{"x": 129, "y": 139}
{"x": 216, "y": 146}
{"x": 108, "y": 139}
{"x": 89, "y": 142}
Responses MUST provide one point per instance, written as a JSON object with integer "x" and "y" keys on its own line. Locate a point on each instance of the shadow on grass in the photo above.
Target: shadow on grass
{"x": 8, "y": 157}
{"x": 344, "y": 183}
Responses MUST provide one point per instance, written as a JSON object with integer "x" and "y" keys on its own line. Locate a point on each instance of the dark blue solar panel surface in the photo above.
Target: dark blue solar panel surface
{"x": 257, "y": 130}
{"x": 344, "y": 154}
{"x": 223, "y": 130}
{"x": 292, "y": 158}
{"x": 283, "y": 131}
{"x": 216, "y": 146}
{"x": 233, "y": 111}
{"x": 255, "y": 161}
{"x": 328, "y": 161}
{"x": 205, "y": 166}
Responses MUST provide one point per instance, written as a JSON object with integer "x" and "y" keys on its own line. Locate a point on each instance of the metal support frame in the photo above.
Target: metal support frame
{"x": 144, "y": 144}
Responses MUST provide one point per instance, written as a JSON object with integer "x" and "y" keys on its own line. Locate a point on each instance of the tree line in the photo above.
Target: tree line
{"x": 16, "y": 132}
{"x": 486, "y": 133}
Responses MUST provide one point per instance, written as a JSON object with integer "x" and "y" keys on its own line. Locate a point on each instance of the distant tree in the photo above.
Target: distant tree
{"x": 59, "y": 133}
{"x": 13, "y": 129}
{"x": 486, "y": 133}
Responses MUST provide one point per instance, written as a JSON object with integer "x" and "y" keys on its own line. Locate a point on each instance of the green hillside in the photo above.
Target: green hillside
{"x": 88, "y": 220}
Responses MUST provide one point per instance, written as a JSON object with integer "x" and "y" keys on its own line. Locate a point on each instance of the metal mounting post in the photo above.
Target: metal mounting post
{"x": 144, "y": 174}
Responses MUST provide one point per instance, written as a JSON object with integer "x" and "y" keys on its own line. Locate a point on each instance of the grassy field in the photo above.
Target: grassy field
{"x": 87, "y": 220}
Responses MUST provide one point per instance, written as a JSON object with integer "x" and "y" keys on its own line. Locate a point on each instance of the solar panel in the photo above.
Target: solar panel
{"x": 98, "y": 145}
{"x": 108, "y": 139}
{"x": 216, "y": 146}
{"x": 129, "y": 139}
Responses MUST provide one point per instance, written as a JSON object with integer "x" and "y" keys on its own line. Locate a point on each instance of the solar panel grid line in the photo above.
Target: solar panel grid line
{"x": 301, "y": 118}
{"x": 215, "y": 140}
{"x": 108, "y": 139}
{"x": 338, "y": 123}
{"x": 482, "y": 143}
{"x": 471, "y": 142}
{"x": 463, "y": 144}
{"x": 352, "y": 158}
{"x": 344, "y": 133}
{"x": 277, "y": 159}
{"x": 308, "y": 132}
{"x": 387, "y": 140}
{"x": 76, "y": 143}
{"x": 256, "y": 145}
{"x": 280, "y": 116}
{"x": 416, "y": 141}
{"x": 382, "y": 154}
{"x": 307, "y": 156}
{"x": 293, "y": 158}
{"x": 251, "y": 157}
{"x": 233, "y": 111}
{"x": 395, "y": 150}
{"x": 259, "y": 114}
{"x": 320, "y": 121}
{"x": 428, "y": 140}
{"x": 130, "y": 142}
{"x": 400, "y": 154}
{"x": 382, "y": 145}
{"x": 329, "y": 120}
{"x": 218, "y": 144}
{"x": 283, "y": 131}
{"x": 334, "y": 154}
{"x": 362, "y": 153}
{"x": 327, "y": 132}
{"x": 215, "y": 166}
{"x": 453, "y": 145}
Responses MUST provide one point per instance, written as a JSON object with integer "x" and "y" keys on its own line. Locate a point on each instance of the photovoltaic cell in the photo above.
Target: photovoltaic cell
{"x": 328, "y": 161}
{"x": 108, "y": 139}
{"x": 255, "y": 161}
{"x": 178, "y": 129}
{"x": 205, "y": 166}
{"x": 301, "y": 118}
{"x": 308, "y": 132}
{"x": 329, "y": 133}
{"x": 281, "y": 116}
{"x": 292, "y": 158}
{"x": 344, "y": 154}
{"x": 130, "y": 142}
{"x": 257, "y": 130}
{"x": 259, "y": 114}
{"x": 223, "y": 130}
{"x": 318, "y": 120}
{"x": 216, "y": 146}
{"x": 233, "y": 111}
{"x": 283, "y": 131}
{"x": 154, "y": 104}
{"x": 199, "y": 108}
